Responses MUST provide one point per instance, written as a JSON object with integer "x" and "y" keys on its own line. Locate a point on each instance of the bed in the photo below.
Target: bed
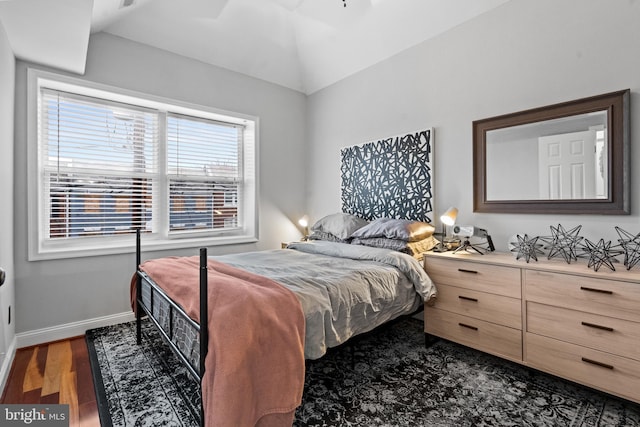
{"x": 276, "y": 308}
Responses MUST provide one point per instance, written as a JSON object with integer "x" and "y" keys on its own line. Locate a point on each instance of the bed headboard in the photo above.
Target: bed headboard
{"x": 390, "y": 178}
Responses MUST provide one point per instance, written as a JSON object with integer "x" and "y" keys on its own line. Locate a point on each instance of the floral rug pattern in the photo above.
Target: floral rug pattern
{"x": 387, "y": 378}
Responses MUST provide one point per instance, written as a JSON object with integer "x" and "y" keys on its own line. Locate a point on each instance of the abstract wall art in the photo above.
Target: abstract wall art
{"x": 390, "y": 178}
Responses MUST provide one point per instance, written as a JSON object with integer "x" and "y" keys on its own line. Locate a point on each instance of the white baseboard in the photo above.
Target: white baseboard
{"x": 68, "y": 330}
{"x": 7, "y": 362}
{"x": 55, "y": 333}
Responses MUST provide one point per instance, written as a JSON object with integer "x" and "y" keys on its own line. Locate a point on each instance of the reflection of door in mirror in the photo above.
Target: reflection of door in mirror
{"x": 570, "y": 166}
{"x": 507, "y": 176}
{"x": 559, "y": 159}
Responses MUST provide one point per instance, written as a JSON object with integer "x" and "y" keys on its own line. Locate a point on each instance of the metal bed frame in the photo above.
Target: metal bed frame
{"x": 157, "y": 296}
{"x": 148, "y": 307}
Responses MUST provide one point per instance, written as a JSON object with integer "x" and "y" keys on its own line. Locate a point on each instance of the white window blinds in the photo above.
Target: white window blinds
{"x": 105, "y": 162}
{"x": 98, "y": 162}
{"x": 204, "y": 172}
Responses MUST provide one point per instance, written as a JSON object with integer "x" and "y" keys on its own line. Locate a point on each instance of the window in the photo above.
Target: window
{"x": 107, "y": 163}
{"x": 204, "y": 159}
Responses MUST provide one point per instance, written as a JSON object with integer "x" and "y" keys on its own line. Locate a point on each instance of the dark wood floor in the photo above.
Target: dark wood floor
{"x": 55, "y": 372}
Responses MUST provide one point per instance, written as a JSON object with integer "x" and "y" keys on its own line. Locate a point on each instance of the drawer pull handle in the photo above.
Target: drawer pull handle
{"x": 601, "y": 291}
{"x": 595, "y": 362}
{"x": 462, "y": 270}
{"x": 593, "y": 325}
{"x": 464, "y": 325}
{"x": 467, "y": 298}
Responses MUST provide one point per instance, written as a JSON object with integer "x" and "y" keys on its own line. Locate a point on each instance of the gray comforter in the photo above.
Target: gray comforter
{"x": 344, "y": 289}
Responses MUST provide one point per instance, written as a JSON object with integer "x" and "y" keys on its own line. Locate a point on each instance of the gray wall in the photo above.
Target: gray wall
{"x": 7, "y": 77}
{"x": 50, "y": 293}
{"x": 521, "y": 55}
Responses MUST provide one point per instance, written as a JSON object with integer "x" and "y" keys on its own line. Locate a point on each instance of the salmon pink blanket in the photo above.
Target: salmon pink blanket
{"x": 254, "y": 370}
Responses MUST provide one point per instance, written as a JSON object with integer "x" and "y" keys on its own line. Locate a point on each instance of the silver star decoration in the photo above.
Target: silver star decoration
{"x": 527, "y": 247}
{"x": 630, "y": 246}
{"x": 564, "y": 243}
{"x": 600, "y": 254}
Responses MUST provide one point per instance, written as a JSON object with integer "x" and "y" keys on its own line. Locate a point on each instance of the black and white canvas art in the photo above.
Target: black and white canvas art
{"x": 390, "y": 178}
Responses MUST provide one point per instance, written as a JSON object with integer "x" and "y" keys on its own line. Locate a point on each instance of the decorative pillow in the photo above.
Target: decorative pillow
{"x": 381, "y": 242}
{"x": 340, "y": 225}
{"x": 321, "y": 235}
{"x": 415, "y": 249}
{"x": 399, "y": 229}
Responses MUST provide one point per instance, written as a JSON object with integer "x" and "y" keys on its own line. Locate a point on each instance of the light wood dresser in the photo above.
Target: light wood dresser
{"x": 564, "y": 319}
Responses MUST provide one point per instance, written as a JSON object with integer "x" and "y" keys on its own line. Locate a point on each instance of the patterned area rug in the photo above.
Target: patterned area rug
{"x": 387, "y": 378}
{"x": 140, "y": 385}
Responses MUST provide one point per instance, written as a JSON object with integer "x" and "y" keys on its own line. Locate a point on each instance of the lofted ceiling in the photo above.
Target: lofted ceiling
{"x": 304, "y": 45}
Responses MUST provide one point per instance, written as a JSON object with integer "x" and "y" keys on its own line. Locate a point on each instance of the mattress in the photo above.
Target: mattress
{"x": 344, "y": 290}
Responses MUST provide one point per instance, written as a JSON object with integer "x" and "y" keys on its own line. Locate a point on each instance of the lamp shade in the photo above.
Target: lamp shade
{"x": 449, "y": 217}
{"x": 304, "y": 221}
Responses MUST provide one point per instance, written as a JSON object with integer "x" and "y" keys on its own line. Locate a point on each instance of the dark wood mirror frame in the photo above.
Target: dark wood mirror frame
{"x": 616, "y": 104}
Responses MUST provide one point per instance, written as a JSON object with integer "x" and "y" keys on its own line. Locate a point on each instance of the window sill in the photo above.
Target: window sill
{"x": 73, "y": 249}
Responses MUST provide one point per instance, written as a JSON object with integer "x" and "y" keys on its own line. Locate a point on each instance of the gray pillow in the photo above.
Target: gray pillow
{"x": 415, "y": 249}
{"x": 399, "y": 229}
{"x": 321, "y": 235}
{"x": 340, "y": 225}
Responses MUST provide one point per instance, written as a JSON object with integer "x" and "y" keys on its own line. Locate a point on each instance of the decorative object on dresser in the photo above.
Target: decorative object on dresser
{"x": 526, "y": 247}
{"x": 559, "y": 318}
{"x": 630, "y": 247}
{"x": 571, "y": 247}
{"x": 564, "y": 243}
{"x": 600, "y": 254}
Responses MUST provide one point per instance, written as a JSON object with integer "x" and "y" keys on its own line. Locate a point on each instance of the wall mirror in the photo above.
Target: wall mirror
{"x": 564, "y": 158}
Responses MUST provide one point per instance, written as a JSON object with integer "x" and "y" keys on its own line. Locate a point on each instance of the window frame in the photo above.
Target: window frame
{"x": 41, "y": 248}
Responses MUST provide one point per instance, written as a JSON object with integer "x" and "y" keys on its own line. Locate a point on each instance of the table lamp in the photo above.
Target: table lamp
{"x": 448, "y": 219}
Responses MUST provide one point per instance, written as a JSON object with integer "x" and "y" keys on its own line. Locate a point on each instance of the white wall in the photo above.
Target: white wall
{"x": 7, "y": 78}
{"x": 50, "y": 293}
{"x": 521, "y": 55}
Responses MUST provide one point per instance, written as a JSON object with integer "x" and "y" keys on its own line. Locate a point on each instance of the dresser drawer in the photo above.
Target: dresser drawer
{"x": 589, "y": 330}
{"x": 613, "y": 374}
{"x": 492, "y": 308}
{"x": 481, "y": 277}
{"x": 489, "y": 337}
{"x": 600, "y": 296}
